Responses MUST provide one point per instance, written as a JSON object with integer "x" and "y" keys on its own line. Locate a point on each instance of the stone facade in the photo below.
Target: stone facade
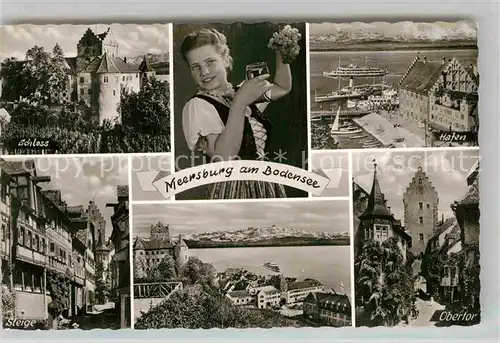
{"x": 420, "y": 202}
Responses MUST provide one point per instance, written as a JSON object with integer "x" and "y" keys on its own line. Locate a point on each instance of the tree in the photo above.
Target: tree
{"x": 58, "y": 286}
{"x": 13, "y": 84}
{"x": 102, "y": 285}
{"x": 163, "y": 271}
{"x": 148, "y": 111}
{"x": 384, "y": 283}
{"x": 196, "y": 271}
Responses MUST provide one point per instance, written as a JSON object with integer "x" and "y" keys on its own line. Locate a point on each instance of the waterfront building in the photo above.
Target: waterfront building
{"x": 241, "y": 297}
{"x": 268, "y": 297}
{"x": 440, "y": 94}
{"x": 297, "y": 291}
{"x": 328, "y": 309}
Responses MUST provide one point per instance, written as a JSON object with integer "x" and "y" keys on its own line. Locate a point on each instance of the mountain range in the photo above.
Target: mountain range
{"x": 262, "y": 234}
{"x": 152, "y": 58}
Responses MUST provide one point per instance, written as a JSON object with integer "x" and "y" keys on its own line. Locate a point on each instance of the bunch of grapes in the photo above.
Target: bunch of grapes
{"x": 286, "y": 41}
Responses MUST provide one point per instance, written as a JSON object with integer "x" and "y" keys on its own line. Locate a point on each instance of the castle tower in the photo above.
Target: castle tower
{"x": 181, "y": 253}
{"x": 146, "y": 71}
{"x": 377, "y": 222}
{"x": 139, "y": 262}
{"x": 109, "y": 43}
{"x": 420, "y": 202}
{"x": 88, "y": 48}
{"x": 160, "y": 232}
{"x": 108, "y": 76}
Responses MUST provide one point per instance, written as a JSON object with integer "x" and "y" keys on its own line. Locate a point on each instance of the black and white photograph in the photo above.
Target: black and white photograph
{"x": 334, "y": 166}
{"x": 240, "y": 94}
{"x": 64, "y": 243}
{"x": 225, "y": 265}
{"x": 147, "y": 169}
{"x": 393, "y": 85}
{"x": 77, "y": 89}
{"x": 416, "y": 238}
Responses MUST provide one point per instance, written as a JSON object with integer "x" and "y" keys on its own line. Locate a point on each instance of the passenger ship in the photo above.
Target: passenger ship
{"x": 354, "y": 70}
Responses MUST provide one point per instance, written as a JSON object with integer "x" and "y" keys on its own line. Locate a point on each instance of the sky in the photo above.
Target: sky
{"x": 133, "y": 40}
{"x": 183, "y": 218}
{"x": 84, "y": 179}
{"x": 446, "y": 169}
{"x": 434, "y": 30}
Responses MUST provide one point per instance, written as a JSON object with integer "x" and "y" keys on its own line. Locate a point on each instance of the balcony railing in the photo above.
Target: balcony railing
{"x": 156, "y": 290}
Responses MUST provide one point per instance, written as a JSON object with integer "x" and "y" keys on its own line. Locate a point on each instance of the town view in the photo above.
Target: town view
{"x": 416, "y": 239}
{"x": 394, "y": 85}
{"x": 64, "y": 244}
{"x": 237, "y": 269}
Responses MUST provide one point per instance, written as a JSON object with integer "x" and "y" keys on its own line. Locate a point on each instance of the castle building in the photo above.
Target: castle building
{"x": 442, "y": 94}
{"x": 420, "y": 202}
{"x": 98, "y": 76}
{"x": 102, "y": 249}
{"x": 378, "y": 223}
{"x": 148, "y": 253}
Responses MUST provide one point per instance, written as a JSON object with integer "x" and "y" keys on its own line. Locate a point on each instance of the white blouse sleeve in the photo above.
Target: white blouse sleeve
{"x": 200, "y": 119}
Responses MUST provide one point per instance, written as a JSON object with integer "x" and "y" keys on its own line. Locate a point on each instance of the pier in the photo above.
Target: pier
{"x": 344, "y": 114}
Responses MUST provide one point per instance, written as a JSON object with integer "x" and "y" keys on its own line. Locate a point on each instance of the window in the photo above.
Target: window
{"x": 421, "y": 236}
{"x": 428, "y": 205}
{"x": 82, "y": 80}
{"x": 82, "y": 91}
{"x": 123, "y": 78}
{"x": 43, "y": 246}
{"x": 114, "y": 92}
{"x": 105, "y": 79}
{"x": 52, "y": 247}
{"x": 420, "y": 206}
{"x": 420, "y": 220}
{"x": 419, "y": 181}
{"x": 29, "y": 242}
{"x": 37, "y": 243}
{"x": 3, "y": 233}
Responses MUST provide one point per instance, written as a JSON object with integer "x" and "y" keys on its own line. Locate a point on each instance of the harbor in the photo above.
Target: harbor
{"x": 390, "y": 112}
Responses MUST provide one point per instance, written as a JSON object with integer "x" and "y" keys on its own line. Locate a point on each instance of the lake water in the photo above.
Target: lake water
{"x": 397, "y": 63}
{"x": 328, "y": 264}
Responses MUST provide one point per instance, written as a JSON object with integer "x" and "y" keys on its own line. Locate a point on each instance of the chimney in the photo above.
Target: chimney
{"x": 442, "y": 218}
{"x": 443, "y": 61}
{"x": 125, "y": 59}
{"x": 425, "y": 59}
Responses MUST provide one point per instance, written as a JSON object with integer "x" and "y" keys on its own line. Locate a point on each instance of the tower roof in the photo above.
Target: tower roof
{"x": 145, "y": 66}
{"x": 138, "y": 244}
{"x": 376, "y": 200}
{"x": 107, "y": 65}
{"x": 181, "y": 242}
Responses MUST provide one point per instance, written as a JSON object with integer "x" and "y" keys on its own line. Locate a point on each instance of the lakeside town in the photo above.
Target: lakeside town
{"x": 431, "y": 102}
{"x": 180, "y": 286}
{"x": 431, "y": 266}
{"x": 63, "y": 266}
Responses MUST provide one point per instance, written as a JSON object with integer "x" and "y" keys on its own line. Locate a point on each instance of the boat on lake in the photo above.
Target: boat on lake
{"x": 272, "y": 267}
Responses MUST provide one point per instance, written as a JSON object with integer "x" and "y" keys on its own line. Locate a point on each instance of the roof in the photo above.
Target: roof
{"x": 376, "y": 200}
{"x": 303, "y": 284}
{"x": 444, "y": 226}
{"x": 238, "y": 294}
{"x": 106, "y": 65}
{"x": 421, "y": 76}
{"x": 268, "y": 289}
{"x": 155, "y": 244}
{"x": 122, "y": 191}
{"x": 472, "y": 195}
{"x": 334, "y": 299}
{"x": 17, "y": 167}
